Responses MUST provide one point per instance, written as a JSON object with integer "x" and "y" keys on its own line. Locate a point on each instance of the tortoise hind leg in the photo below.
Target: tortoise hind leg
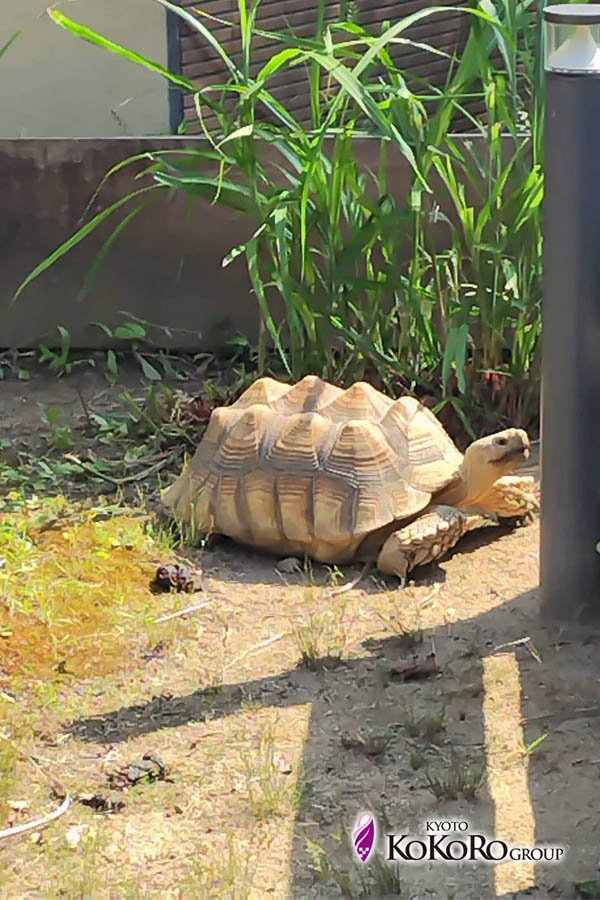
{"x": 427, "y": 538}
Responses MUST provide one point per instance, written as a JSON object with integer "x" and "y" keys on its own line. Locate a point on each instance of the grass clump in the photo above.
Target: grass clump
{"x": 461, "y": 779}
{"x": 72, "y": 578}
{"x": 271, "y": 792}
{"x": 320, "y": 634}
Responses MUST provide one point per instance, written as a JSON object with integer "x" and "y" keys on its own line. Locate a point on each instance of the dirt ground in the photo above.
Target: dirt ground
{"x": 269, "y": 759}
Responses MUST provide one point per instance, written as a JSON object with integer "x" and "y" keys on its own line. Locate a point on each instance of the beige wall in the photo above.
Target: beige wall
{"x": 53, "y": 84}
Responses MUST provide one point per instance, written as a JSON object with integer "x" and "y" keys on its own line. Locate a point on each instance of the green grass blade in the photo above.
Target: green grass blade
{"x": 88, "y": 34}
{"x": 106, "y": 247}
{"x": 11, "y": 39}
{"x": 79, "y": 236}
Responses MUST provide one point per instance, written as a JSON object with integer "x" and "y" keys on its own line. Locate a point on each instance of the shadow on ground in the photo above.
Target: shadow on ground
{"x": 234, "y": 563}
{"x": 559, "y": 672}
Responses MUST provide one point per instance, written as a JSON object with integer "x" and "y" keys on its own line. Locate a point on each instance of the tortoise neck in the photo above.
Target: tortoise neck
{"x": 470, "y": 484}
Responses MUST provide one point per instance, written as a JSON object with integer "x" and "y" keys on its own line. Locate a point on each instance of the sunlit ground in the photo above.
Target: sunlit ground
{"x": 79, "y": 637}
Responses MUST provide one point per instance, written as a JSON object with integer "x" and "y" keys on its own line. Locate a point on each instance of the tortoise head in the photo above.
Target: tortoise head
{"x": 491, "y": 457}
{"x": 499, "y": 453}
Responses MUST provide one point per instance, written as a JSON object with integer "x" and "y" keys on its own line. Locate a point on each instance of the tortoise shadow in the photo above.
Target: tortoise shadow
{"x": 235, "y": 563}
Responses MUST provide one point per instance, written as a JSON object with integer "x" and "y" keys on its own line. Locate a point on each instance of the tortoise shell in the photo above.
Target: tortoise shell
{"x": 313, "y": 469}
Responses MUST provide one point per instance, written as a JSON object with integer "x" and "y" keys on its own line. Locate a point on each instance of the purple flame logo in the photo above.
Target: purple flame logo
{"x": 363, "y": 836}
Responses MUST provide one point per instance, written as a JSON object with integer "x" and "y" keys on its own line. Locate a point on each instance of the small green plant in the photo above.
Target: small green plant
{"x": 60, "y": 436}
{"x": 528, "y": 749}
{"x": 375, "y": 878}
{"x": 8, "y": 759}
{"x": 380, "y": 878}
{"x": 367, "y": 740}
{"x": 271, "y": 793}
{"x": 133, "y": 333}
{"x": 336, "y": 576}
{"x": 429, "y": 726}
{"x": 229, "y": 876}
{"x": 320, "y": 636}
{"x": 460, "y": 779}
{"x": 406, "y": 626}
{"x": 10, "y": 364}
{"x": 62, "y": 360}
{"x": 417, "y": 759}
{"x": 329, "y": 870}
{"x": 589, "y": 890}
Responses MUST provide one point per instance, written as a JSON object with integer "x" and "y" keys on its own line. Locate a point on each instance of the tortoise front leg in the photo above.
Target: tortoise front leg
{"x": 512, "y": 496}
{"x": 427, "y": 538}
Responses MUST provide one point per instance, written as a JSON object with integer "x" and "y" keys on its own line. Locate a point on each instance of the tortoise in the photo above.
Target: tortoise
{"x": 346, "y": 475}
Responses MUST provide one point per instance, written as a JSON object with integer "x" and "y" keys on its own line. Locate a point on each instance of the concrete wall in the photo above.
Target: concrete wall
{"x": 164, "y": 268}
{"x": 53, "y": 84}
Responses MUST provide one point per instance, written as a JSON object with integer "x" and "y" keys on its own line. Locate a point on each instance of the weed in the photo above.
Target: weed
{"x": 428, "y": 726}
{"x": 380, "y": 878}
{"x": 230, "y": 875}
{"x": 460, "y": 779}
{"x": 8, "y": 760}
{"x": 269, "y": 792}
{"x": 60, "y": 436}
{"x": 417, "y": 759}
{"x": 369, "y": 741}
{"x": 528, "y": 749}
{"x": 62, "y": 361}
{"x": 320, "y": 636}
{"x": 328, "y": 870}
{"x": 308, "y": 570}
{"x": 375, "y": 878}
{"x": 405, "y": 625}
{"x": 336, "y": 576}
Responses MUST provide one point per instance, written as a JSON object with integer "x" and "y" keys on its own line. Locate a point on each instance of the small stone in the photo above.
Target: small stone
{"x": 281, "y": 764}
{"x": 35, "y": 837}
{"x": 289, "y": 565}
{"x": 73, "y": 836}
{"x": 19, "y": 805}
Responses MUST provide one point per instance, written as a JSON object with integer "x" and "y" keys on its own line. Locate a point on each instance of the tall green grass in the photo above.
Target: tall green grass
{"x": 349, "y": 282}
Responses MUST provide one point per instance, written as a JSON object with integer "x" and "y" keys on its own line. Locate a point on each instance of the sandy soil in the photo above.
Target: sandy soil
{"x": 230, "y": 683}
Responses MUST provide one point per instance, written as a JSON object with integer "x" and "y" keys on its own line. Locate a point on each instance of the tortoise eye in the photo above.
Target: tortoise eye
{"x": 502, "y": 442}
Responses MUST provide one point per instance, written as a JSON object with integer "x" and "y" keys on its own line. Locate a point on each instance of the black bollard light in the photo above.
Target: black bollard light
{"x": 570, "y": 445}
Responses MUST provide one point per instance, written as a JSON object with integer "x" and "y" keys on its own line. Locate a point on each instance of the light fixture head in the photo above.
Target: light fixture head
{"x": 572, "y": 38}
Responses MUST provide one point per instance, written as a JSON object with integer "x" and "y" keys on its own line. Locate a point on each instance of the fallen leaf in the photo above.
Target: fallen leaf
{"x": 155, "y": 653}
{"x": 102, "y": 804}
{"x": 149, "y": 768}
